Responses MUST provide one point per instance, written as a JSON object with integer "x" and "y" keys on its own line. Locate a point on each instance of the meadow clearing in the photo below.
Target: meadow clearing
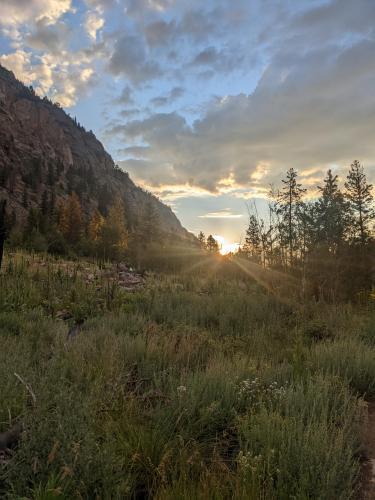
{"x": 199, "y": 384}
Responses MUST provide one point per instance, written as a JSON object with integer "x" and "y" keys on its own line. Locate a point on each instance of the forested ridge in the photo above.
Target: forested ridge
{"x": 61, "y": 186}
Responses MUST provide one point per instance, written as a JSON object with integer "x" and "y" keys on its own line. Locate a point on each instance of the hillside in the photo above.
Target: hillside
{"x": 46, "y": 153}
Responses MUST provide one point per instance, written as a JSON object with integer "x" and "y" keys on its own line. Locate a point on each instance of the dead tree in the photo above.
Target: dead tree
{"x": 2, "y": 228}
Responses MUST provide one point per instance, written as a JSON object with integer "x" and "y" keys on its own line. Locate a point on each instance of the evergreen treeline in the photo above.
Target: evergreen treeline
{"x": 327, "y": 242}
{"x": 209, "y": 244}
{"x": 64, "y": 228}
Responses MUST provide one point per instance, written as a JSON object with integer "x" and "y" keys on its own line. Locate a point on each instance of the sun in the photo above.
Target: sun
{"x": 224, "y": 246}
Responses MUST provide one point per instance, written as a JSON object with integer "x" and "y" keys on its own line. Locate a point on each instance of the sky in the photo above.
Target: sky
{"x": 207, "y": 104}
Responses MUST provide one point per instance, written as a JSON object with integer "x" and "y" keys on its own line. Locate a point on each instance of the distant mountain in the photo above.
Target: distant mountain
{"x": 44, "y": 153}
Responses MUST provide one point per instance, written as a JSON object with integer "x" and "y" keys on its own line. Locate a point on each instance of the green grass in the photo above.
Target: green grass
{"x": 202, "y": 385}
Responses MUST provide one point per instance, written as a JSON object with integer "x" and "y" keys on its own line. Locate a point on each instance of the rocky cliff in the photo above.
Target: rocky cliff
{"x": 44, "y": 153}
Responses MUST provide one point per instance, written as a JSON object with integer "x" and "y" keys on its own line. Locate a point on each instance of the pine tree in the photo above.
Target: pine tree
{"x": 288, "y": 207}
{"x": 202, "y": 239}
{"x": 113, "y": 234}
{"x": 331, "y": 214}
{"x": 95, "y": 226}
{"x": 358, "y": 194}
{"x": 71, "y": 219}
{"x": 212, "y": 244}
{"x": 253, "y": 240}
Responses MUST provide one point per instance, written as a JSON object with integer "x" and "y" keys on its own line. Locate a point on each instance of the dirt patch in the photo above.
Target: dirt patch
{"x": 367, "y": 491}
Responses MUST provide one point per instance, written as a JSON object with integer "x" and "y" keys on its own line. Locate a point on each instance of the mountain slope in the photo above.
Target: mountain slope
{"x": 44, "y": 153}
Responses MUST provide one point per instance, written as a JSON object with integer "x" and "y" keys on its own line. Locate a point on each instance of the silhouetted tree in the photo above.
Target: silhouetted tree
{"x": 212, "y": 244}
{"x": 358, "y": 193}
{"x": 253, "y": 240}
{"x": 202, "y": 239}
{"x": 288, "y": 208}
{"x": 331, "y": 212}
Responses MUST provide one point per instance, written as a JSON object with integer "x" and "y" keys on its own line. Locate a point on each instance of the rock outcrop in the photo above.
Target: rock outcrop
{"x": 46, "y": 154}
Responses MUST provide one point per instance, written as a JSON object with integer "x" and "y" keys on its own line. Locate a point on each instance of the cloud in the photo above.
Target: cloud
{"x": 136, "y": 151}
{"x": 159, "y": 101}
{"x": 42, "y": 56}
{"x": 169, "y": 98}
{"x": 220, "y": 61}
{"x": 19, "y": 62}
{"x": 48, "y": 37}
{"x": 93, "y": 23}
{"x": 129, "y": 59}
{"x": 71, "y": 84}
{"x": 160, "y": 32}
{"x": 176, "y": 93}
{"x": 196, "y": 25}
{"x": 130, "y": 113}
{"x": 307, "y": 98}
{"x": 337, "y": 18}
{"x": 62, "y": 83}
{"x": 222, "y": 214}
{"x": 310, "y": 110}
{"x": 139, "y": 8}
{"x": 126, "y": 96}
{"x": 207, "y": 56}
{"x": 169, "y": 193}
{"x": 200, "y": 24}
{"x": 15, "y": 12}
{"x": 101, "y": 5}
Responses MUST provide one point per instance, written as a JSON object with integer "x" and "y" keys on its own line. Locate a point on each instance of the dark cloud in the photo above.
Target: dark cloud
{"x": 196, "y": 25}
{"x": 207, "y": 56}
{"x": 159, "y": 101}
{"x": 338, "y": 17}
{"x": 176, "y": 93}
{"x": 217, "y": 60}
{"x": 126, "y": 96}
{"x": 129, "y": 113}
{"x": 169, "y": 98}
{"x": 50, "y": 37}
{"x": 158, "y": 125}
{"x": 160, "y": 32}
{"x": 200, "y": 24}
{"x": 129, "y": 58}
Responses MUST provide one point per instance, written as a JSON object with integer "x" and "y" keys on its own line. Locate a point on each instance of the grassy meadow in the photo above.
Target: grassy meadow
{"x": 203, "y": 384}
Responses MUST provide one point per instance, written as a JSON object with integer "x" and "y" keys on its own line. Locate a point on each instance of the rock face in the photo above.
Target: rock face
{"x": 45, "y": 155}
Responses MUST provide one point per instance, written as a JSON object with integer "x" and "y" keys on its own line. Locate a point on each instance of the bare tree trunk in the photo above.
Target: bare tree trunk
{"x": 2, "y": 228}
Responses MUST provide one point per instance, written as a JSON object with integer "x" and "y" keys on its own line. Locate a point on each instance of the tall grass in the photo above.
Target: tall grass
{"x": 199, "y": 386}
